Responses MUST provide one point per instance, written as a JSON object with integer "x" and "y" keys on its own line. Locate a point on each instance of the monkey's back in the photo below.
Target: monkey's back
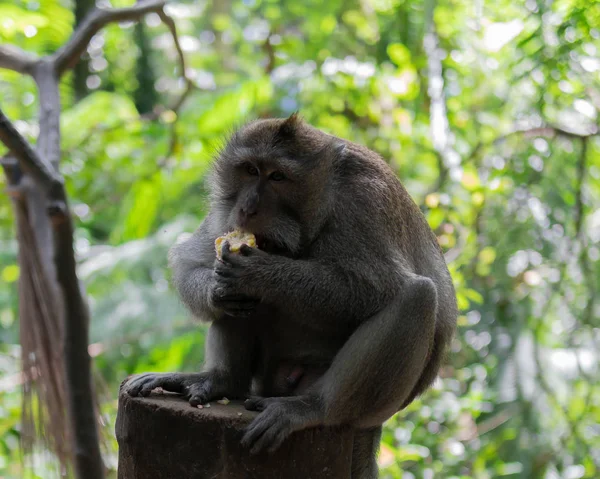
{"x": 390, "y": 212}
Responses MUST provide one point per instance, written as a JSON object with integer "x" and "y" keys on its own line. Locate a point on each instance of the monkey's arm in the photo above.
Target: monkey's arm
{"x": 191, "y": 264}
{"x": 336, "y": 291}
{"x": 229, "y": 342}
{"x": 227, "y": 368}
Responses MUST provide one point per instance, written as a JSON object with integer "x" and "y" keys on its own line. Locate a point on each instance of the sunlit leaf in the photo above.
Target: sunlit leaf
{"x": 10, "y": 273}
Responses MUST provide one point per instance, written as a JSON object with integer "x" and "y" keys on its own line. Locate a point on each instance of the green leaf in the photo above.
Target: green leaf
{"x": 140, "y": 210}
{"x": 487, "y": 255}
{"x": 435, "y": 218}
{"x": 399, "y": 54}
{"x": 234, "y": 107}
{"x": 101, "y": 108}
{"x": 10, "y": 273}
{"x": 473, "y": 295}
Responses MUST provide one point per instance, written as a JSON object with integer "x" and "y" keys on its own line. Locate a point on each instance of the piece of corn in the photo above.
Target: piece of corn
{"x": 236, "y": 239}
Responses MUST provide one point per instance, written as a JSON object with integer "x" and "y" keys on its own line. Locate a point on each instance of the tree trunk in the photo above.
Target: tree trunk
{"x": 164, "y": 437}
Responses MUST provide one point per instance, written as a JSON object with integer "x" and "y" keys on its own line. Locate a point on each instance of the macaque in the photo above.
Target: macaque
{"x": 342, "y": 312}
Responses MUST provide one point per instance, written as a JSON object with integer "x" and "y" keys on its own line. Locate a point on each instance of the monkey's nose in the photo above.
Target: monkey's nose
{"x": 249, "y": 211}
{"x": 244, "y": 217}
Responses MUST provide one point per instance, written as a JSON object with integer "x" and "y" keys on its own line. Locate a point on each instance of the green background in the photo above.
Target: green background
{"x": 487, "y": 111}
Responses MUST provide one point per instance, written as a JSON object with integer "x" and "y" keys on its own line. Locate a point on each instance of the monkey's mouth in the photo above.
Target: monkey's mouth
{"x": 268, "y": 245}
{"x": 263, "y": 243}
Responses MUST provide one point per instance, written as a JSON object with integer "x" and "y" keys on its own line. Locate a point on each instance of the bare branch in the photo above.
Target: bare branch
{"x": 581, "y": 174}
{"x": 441, "y": 134}
{"x": 80, "y": 397}
{"x": 67, "y": 56}
{"x": 13, "y": 58}
{"x": 48, "y": 144}
{"x": 271, "y": 59}
{"x": 38, "y": 167}
{"x": 546, "y": 130}
{"x": 168, "y": 21}
{"x": 13, "y": 173}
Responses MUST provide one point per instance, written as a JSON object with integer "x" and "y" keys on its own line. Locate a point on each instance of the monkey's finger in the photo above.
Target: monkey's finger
{"x": 239, "y": 313}
{"x": 144, "y": 384}
{"x": 169, "y": 382}
{"x": 134, "y": 385}
{"x": 246, "y": 250}
{"x": 226, "y": 249}
{"x": 149, "y": 386}
{"x": 235, "y": 301}
{"x": 226, "y": 272}
{"x": 255, "y": 403}
{"x": 235, "y": 298}
{"x": 226, "y": 255}
{"x": 237, "y": 305}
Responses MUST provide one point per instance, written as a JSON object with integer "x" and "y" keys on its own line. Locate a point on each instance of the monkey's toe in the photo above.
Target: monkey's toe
{"x": 267, "y": 432}
{"x": 207, "y": 387}
{"x": 199, "y": 394}
{"x": 198, "y": 400}
{"x": 256, "y": 403}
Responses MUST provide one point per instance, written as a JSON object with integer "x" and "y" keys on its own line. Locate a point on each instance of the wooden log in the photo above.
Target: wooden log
{"x": 162, "y": 437}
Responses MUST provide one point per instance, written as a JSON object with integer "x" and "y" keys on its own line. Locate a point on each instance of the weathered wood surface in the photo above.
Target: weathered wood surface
{"x": 164, "y": 437}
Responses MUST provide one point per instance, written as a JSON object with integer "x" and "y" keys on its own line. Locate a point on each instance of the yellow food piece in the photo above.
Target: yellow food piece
{"x": 236, "y": 239}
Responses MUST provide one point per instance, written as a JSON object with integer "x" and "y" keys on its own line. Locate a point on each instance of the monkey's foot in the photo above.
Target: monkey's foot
{"x": 197, "y": 388}
{"x": 280, "y": 416}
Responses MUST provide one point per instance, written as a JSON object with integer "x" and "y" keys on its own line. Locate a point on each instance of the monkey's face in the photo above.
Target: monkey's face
{"x": 267, "y": 184}
{"x": 267, "y": 198}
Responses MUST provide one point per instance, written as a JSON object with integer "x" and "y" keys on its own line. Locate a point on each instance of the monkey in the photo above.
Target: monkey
{"x": 343, "y": 312}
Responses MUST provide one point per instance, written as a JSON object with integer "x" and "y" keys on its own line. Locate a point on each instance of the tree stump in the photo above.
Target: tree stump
{"x": 162, "y": 437}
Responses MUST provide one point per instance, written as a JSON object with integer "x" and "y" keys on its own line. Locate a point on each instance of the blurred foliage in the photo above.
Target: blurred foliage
{"x": 454, "y": 94}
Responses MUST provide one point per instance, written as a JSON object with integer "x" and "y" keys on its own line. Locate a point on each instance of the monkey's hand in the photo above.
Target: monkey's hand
{"x": 280, "y": 416}
{"x": 228, "y": 292}
{"x": 197, "y": 388}
{"x": 239, "y": 274}
{"x": 232, "y": 304}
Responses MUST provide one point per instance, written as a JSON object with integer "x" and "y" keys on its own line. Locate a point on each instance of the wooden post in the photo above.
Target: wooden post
{"x": 162, "y": 437}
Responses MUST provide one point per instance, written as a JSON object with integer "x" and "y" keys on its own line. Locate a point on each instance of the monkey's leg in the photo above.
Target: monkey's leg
{"x": 432, "y": 368}
{"x": 227, "y": 370}
{"x": 379, "y": 366}
{"x": 364, "y": 453}
{"x": 370, "y": 378}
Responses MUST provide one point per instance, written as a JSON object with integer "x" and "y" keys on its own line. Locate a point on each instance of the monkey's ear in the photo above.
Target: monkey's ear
{"x": 290, "y": 126}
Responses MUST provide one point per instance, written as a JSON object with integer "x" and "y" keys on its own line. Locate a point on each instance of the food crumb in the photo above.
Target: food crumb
{"x": 239, "y": 413}
{"x": 207, "y": 405}
{"x": 223, "y": 401}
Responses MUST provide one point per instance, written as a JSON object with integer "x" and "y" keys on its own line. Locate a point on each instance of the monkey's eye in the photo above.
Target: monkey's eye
{"x": 277, "y": 176}
{"x": 252, "y": 170}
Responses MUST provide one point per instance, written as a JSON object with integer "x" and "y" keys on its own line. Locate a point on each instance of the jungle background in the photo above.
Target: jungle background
{"x": 488, "y": 112}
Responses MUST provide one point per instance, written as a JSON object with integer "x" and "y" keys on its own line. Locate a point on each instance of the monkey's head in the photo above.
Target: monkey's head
{"x": 272, "y": 179}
